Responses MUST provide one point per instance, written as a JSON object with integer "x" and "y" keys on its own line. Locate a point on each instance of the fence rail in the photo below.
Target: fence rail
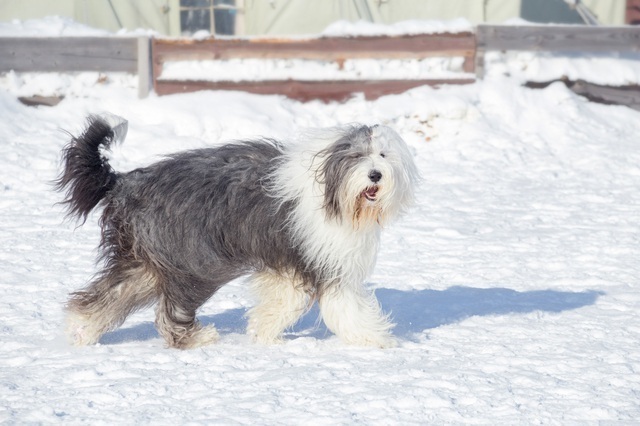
{"x": 70, "y": 54}
{"x": 324, "y": 48}
{"x": 326, "y": 90}
{"x": 146, "y": 56}
{"x": 60, "y": 54}
{"x": 555, "y": 38}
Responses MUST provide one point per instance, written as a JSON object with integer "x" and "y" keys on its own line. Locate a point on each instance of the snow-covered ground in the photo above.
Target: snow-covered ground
{"x": 514, "y": 282}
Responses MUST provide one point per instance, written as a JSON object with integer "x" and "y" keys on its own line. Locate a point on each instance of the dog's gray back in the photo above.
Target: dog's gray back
{"x": 207, "y": 211}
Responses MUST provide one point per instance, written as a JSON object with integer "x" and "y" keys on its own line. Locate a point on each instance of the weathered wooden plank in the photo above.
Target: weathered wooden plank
{"x": 339, "y": 90}
{"x": 61, "y": 54}
{"x": 558, "y": 38}
{"x": 40, "y": 100}
{"x": 326, "y": 48}
{"x": 609, "y": 95}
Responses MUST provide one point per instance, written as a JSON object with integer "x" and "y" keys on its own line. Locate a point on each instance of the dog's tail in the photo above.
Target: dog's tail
{"x": 87, "y": 175}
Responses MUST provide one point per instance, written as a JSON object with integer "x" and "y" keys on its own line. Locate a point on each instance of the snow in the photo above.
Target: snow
{"x": 613, "y": 69}
{"x": 513, "y": 281}
{"x": 59, "y": 26}
{"x": 50, "y": 26}
{"x": 298, "y": 69}
{"x": 364, "y": 28}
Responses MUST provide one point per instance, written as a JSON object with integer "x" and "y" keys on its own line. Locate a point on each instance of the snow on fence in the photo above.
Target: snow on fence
{"x": 337, "y": 50}
{"x": 150, "y": 58}
{"x": 554, "y": 38}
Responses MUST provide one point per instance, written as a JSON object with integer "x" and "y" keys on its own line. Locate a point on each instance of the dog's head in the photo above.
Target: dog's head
{"x": 368, "y": 175}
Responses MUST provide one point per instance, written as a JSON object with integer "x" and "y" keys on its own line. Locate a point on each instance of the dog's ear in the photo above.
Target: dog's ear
{"x": 332, "y": 171}
{"x": 338, "y": 160}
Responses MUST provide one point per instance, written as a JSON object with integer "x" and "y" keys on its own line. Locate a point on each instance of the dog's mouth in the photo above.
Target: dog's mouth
{"x": 370, "y": 193}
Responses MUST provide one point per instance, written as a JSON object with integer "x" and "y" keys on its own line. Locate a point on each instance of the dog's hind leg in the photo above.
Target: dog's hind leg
{"x": 106, "y": 302}
{"x": 176, "y": 313}
{"x": 356, "y": 317}
{"x": 281, "y": 302}
{"x": 179, "y": 327}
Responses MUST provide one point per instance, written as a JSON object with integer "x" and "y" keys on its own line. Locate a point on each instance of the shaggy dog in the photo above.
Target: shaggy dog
{"x": 303, "y": 219}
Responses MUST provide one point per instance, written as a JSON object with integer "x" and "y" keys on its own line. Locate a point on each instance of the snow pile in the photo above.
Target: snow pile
{"x": 50, "y": 26}
{"x": 364, "y": 28}
{"x": 513, "y": 281}
{"x": 612, "y": 69}
{"x": 298, "y": 69}
{"x": 58, "y": 26}
{"x": 72, "y": 84}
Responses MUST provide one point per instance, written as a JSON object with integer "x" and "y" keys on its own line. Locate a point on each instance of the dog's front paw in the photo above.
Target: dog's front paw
{"x": 382, "y": 341}
{"x": 267, "y": 340}
{"x": 385, "y": 342}
{"x": 264, "y": 336}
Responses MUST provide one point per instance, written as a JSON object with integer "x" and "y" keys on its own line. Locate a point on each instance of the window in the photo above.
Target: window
{"x": 215, "y": 16}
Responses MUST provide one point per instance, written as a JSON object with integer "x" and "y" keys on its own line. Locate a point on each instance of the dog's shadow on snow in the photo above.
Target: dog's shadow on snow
{"x": 412, "y": 311}
{"x": 416, "y": 311}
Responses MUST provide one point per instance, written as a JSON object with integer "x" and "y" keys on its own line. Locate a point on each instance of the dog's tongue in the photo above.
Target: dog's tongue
{"x": 370, "y": 193}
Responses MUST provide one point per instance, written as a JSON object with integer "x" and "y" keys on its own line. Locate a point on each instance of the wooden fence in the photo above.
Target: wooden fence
{"x": 147, "y": 56}
{"x": 554, "y": 38}
{"x": 70, "y": 54}
{"x": 336, "y": 49}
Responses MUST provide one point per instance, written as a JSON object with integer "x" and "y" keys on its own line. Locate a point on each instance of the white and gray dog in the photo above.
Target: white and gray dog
{"x": 303, "y": 219}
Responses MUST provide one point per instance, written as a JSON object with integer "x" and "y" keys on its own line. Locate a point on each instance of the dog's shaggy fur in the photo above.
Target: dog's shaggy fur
{"x": 304, "y": 219}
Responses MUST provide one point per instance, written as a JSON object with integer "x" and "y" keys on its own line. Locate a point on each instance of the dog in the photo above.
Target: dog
{"x": 303, "y": 219}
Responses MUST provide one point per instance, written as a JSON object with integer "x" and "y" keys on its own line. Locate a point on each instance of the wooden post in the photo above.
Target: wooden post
{"x": 144, "y": 66}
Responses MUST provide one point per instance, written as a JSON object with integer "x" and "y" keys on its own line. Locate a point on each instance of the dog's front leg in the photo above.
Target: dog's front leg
{"x": 355, "y": 316}
{"x": 281, "y": 302}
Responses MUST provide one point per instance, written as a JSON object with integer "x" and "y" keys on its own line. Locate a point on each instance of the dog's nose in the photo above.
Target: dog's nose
{"x": 375, "y": 176}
